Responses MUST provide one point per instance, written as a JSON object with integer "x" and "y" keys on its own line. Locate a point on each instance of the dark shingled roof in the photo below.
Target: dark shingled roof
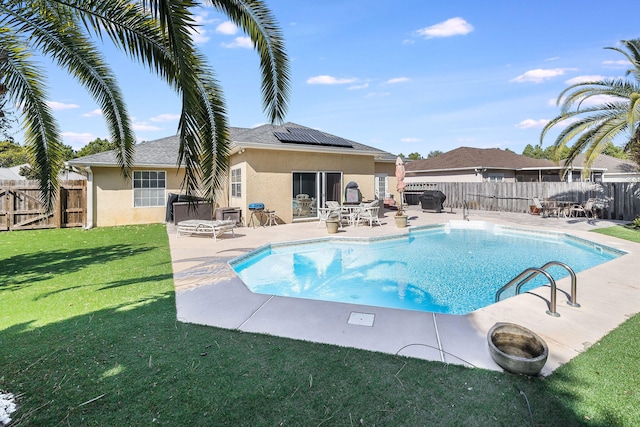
{"x": 470, "y": 158}
{"x": 164, "y": 152}
{"x": 611, "y": 164}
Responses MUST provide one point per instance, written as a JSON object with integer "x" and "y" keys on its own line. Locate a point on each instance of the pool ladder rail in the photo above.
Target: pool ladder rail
{"x": 528, "y": 274}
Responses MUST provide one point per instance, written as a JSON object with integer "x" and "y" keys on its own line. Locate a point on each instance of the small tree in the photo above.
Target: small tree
{"x": 12, "y": 154}
{"x": 433, "y": 153}
{"x": 98, "y": 145}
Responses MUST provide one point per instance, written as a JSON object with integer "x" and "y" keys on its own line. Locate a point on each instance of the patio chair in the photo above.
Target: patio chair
{"x": 329, "y": 212}
{"x": 203, "y": 227}
{"x": 366, "y": 212}
{"x": 537, "y": 207}
{"x": 587, "y": 209}
{"x": 550, "y": 207}
{"x": 369, "y": 215}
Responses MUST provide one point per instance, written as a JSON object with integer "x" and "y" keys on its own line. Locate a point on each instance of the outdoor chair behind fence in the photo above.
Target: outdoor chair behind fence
{"x": 587, "y": 209}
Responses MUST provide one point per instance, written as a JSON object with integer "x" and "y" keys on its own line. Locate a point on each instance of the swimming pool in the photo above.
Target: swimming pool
{"x": 453, "y": 268}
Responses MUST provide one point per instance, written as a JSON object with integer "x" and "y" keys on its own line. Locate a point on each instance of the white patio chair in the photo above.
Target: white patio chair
{"x": 364, "y": 213}
{"x": 369, "y": 215}
{"x": 326, "y": 213}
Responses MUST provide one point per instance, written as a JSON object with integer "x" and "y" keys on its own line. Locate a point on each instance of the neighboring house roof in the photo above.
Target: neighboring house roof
{"x": 164, "y": 152}
{"x": 611, "y": 164}
{"x": 13, "y": 174}
{"x": 464, "y": 158}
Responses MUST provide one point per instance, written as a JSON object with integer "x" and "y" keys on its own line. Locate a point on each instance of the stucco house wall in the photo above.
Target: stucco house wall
{"x": 113, "y": 201}
{"x": 267, "y": 176}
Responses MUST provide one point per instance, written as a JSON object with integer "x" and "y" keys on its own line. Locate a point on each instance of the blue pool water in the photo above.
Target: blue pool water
{"x": 438, "y": 269}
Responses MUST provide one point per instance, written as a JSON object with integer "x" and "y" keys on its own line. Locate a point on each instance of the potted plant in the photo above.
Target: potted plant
{"x": 332, "y": 225}
{"x": 401, "y": 218}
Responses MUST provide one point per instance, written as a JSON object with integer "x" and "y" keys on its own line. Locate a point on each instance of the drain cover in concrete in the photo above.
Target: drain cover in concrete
{"x": 362, "y": 319}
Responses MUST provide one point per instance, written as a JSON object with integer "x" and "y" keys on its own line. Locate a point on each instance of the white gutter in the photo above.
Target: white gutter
{"x": 90, "y": 221}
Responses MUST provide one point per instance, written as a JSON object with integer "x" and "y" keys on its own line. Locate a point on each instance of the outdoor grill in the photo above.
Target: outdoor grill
{"x": 432, "y": 200}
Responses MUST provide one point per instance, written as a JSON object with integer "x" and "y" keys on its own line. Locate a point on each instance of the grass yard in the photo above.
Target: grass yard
{"x": 627, "y": 232}
{"x": 89, "y": 336}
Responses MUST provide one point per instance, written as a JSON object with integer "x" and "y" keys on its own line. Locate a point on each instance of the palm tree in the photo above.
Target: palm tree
{"x": 593, "y": 127}
{"x": 155, "y": 33}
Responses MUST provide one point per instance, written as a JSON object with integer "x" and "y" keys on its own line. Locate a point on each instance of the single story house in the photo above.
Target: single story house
{"x": 467, "y": 164}
{"x": 608, "y": 169}
{"x": 291, "y": 169}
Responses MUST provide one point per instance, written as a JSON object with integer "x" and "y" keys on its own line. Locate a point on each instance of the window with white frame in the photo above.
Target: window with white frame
{"x": 496, "y": 177}
{"x": 149, "y": 188}
{"x": 236, "y": 182}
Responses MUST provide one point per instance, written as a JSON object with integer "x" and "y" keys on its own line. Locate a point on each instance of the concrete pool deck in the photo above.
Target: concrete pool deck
{"x": 208, "y": 292}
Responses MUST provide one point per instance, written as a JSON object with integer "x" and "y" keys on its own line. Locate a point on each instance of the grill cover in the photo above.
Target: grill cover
{"x": 433, "y": 200}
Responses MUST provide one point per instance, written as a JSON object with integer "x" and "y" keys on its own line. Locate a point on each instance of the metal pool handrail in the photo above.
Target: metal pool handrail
{"x": 532, "y": 272}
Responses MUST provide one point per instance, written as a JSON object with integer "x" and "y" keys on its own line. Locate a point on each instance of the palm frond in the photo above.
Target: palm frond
{"x": 26, "y": 87}
{"x": 258, "y": 23}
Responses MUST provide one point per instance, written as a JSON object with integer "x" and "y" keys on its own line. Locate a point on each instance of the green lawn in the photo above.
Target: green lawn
{"x": 627, "y": 232}
{"x": 89, "y": 336}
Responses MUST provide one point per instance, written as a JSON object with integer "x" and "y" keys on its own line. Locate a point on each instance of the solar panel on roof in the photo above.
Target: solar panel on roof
{"x": 310, "y": 136}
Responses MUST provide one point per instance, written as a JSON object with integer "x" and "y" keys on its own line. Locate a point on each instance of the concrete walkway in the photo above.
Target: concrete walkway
{"x": 208, "y": 292}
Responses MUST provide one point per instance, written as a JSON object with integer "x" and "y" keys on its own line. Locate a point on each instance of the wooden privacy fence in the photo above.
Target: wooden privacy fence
{"x": 615, "y": 200}
{"x": 20, "y": 207}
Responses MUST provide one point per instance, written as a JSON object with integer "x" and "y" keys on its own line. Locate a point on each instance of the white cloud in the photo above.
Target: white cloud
{"x": 144, "y": 126}
{"x": 57, "y": 106}
{"x": 397, "y": 80}
{"x": 589, "y": 102}
{"x": 408, "y": 41}
{"x": 356, "y": 87}
{"x": 227, "y": 27}
{"x": 553, "y": 58}
{"x": 77, "y": 140}
{"x": 621, "y": 63}
{"x": 410, "y": 140}
{"x": 450, "y": 27}
{"x": 329, "y": 80}
{"x": 601, "y": 99}
{"x": 94, "y": 113}
{"x": 377, "y": 94}
{"x": 242, "y": 42}
{"x": 531, "y": 123}
{"x": 165, "y": 118}
{"x": 583, "y": 79}
{"x": 199, "y": 35}
{"x": 539, "y": 75}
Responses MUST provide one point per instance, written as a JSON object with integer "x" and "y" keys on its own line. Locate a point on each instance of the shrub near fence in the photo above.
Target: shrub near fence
{"x": 616, "y": 200}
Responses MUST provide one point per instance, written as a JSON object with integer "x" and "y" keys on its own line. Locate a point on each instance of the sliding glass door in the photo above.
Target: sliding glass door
{"x": 312, "y": 189}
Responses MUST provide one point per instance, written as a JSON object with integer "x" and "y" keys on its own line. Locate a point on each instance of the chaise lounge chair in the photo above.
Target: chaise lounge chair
{"x": 204, "y": 227}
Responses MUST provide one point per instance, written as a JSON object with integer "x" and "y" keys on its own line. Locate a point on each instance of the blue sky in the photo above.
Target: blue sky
{"x": 403, "y": 76}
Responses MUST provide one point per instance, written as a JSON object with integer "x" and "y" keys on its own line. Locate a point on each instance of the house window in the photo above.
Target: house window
{"x": 495, "y": 177}
{"x": 236, "y": 182}
{"x": 149, "y": 188}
